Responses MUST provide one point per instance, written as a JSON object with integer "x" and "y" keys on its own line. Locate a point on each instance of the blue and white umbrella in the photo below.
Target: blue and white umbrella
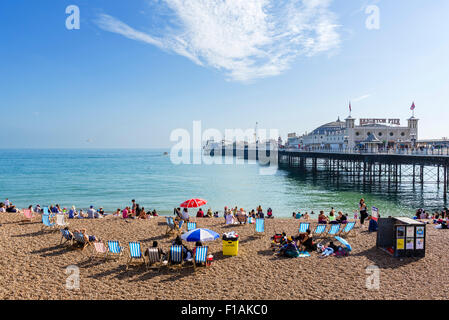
{"x": 200, "y": 235}
{"x": 344, "y": 242}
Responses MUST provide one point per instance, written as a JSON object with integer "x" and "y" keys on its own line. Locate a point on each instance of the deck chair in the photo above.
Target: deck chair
{"x": 260, "y": 227}
{"x": 303, "y": 226}
{"x": 191, "y": 226}
{"x": 320, "y": 230}
{"x": 250, "y": 220}
{"x": 79, "y": 239}
{"x": 60, "y": 220}
{"x": 28, "y": 215}
{"x": 229, "y": 219}
{"x": 344, "y": 232}
{"x": 170, "y": 225}
{"x": 135, "y": 255}
{"x": 333, "y": 231}
{"x": 99, "y": 249}
{"x": 154, "y": 258}
{"x": 114, "y": 249}
{"x": 200, "y": 257}
{"x": 175, "y": 257}
{"x": 66, "y": 236}
{"x": 46, "y": 224}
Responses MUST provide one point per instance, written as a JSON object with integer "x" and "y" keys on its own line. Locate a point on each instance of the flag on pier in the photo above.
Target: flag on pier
{"x": 350, "y": 109}
{"x": 413, "y": 106}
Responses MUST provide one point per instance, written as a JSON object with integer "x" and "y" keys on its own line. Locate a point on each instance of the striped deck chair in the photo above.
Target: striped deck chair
{"x": 99, "y": 249}
{"x": 114, "y": 249}
{"x": 191, "y": 226}
{"x": 260, "y": 227}
{"x": 79, "y": 239}
{"x": 175, "y": 257}
{"x": 333, "y": 231}
{"x": 170, "y": 225}
{"x": 200, "y": 257}
{"x": 250, "y": 220}
{"x": 229, "y": 219}
{"x": 66, "y": 236}
{"x": 154, "y": 258}
{"x": 46, "y": 222}
{"x": 303, "y": 227}
{"x": 344, "y": 232}
{"x": 135, "y": 255}
{"x": 28, "y": 215}
{"x": 60, "y": 220}
{"x": 320, "y": 230}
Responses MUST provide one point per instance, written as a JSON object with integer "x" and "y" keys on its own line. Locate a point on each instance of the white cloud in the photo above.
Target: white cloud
{"x": 365, "y": 96}
{"x": 247, "y": 39}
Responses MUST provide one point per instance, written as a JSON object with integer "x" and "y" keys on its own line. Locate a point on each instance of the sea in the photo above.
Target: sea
{"x": 111, "y": 178}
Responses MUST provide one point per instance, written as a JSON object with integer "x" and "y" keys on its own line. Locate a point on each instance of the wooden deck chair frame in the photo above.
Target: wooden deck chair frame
{"x": 96, "y": 253}
{"x": 260, "y": 233}
{"x": 321, "y": 234}
{"x": 175, "y": 266}
{"x": 170, "y": 226}
{"x": 66, "y": 238}
{"x": 114, "y": 255}
{"x": 78, "y": 238}
{"x": 133, "y": 258}
{"x": 195, "y": 266}
{"x": 154, "y": 259}
{"x": 350, "y": 233}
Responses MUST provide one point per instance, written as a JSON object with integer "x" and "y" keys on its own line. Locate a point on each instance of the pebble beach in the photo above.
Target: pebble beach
{"x": 33, "y": 266}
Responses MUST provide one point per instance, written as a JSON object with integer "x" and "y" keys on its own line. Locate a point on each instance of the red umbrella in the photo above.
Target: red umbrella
{"x": 193, "y": 203}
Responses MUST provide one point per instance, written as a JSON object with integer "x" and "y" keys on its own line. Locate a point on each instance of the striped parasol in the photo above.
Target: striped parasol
{"x": 193, "y": 203}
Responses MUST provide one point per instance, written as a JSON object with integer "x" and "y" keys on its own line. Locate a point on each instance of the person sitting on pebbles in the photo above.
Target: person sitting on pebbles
{"x": 87, "y": 237}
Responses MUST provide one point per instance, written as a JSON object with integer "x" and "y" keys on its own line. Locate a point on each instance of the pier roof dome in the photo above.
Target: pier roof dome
{"x": 331, "y": 126}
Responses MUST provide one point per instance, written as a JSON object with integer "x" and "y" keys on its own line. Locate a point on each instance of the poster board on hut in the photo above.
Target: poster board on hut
{"x": 374, "y": 213}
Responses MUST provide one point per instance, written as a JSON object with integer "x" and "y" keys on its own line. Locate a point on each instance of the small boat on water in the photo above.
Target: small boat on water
{"x": 165, "y": 153}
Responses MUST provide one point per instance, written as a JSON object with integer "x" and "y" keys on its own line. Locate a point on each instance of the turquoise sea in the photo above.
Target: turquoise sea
{"x": 111, "y": 178}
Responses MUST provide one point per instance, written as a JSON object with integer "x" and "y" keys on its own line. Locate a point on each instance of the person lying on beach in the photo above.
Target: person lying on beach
{"x": 322, "y": 218}
{"x": 12, "y": 209}
{"x": 326, "y": 251}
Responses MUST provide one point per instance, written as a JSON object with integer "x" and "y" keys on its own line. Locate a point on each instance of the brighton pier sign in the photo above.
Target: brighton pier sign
{"x": 380, "y": 121}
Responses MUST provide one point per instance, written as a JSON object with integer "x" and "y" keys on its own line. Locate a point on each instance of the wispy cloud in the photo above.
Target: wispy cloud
{"x": 365, "y": 96}
{"x": 246, "y": 39}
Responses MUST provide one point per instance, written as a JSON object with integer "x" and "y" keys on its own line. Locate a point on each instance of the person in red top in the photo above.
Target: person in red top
{"x": 200, "y": 213}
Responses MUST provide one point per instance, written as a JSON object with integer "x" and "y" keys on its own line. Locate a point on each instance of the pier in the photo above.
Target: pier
{"x": 389, "y": 168}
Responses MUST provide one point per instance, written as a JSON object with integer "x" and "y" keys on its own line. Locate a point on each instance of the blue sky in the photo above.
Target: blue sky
{"x": 136, "y": 70}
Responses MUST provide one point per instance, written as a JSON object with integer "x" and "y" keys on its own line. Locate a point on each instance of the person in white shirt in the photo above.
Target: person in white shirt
{"x": 91, "y": 213}
{"x": 7, "y": 203}
{"x": 185, "y": 215}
